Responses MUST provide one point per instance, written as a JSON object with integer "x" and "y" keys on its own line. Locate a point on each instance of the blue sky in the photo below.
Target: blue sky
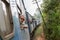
{"x": 30, "y": 6}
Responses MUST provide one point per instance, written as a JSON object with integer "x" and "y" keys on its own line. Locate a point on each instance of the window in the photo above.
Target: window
{"x": 7, "y": 18}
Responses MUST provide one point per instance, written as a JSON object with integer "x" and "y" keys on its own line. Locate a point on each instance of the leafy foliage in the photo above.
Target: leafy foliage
{"x": 52, "y": 10}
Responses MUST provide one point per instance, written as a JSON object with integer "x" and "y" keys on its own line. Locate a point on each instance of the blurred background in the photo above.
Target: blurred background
{"x": 29, "y": 19}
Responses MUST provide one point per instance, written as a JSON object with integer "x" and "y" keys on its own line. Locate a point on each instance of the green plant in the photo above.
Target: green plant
{"x": 51, "y": 8}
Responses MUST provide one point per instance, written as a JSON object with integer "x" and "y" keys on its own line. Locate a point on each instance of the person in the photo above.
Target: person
{"x": 23, "y": 25}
